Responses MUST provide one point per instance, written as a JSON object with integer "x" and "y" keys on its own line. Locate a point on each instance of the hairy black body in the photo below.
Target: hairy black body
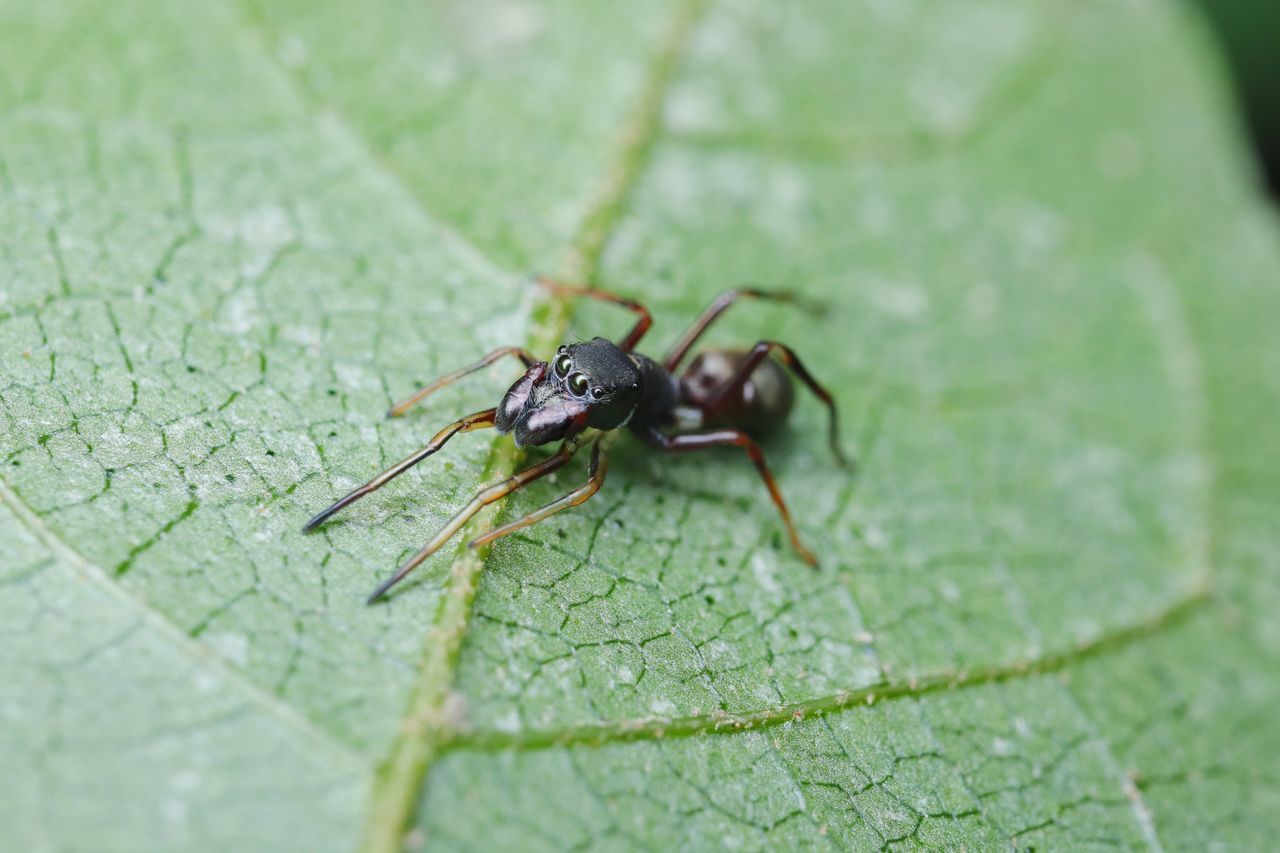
{"x": 724, "y": 398}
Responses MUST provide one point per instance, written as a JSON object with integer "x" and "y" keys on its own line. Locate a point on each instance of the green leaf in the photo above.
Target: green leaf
{"x": 231, "y": 235}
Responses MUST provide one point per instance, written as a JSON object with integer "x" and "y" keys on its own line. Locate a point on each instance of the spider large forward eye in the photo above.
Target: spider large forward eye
{"x": 563, "y": 363}
{"x": 578, "y": 384}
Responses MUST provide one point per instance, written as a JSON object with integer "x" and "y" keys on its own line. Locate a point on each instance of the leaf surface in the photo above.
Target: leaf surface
{"x": 232, "y": 235}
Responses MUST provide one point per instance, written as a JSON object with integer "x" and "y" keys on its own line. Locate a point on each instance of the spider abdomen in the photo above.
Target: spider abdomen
{"x": 758, "y": 405}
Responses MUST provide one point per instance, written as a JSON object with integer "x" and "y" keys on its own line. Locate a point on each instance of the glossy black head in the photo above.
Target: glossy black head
{"x": 590, "y": 384}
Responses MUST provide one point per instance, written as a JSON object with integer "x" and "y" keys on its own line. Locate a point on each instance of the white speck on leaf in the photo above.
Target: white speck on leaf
{"x": 207, "y": 682}
{"x": 763, "y": 570}
{"x": 233, "y": 647}
{"x": 508, "y": 722}
{"x": 293, "y": 52}
{"x": 901, "y": 300}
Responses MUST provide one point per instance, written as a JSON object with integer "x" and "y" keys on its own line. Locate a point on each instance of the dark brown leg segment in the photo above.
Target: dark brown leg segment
{"x": 737, "y": 438}
{"x": 580, "y": 495}
{"x": 404, "y": 405}
{"x": 479, "y": 420}
{"x": 714, "y": 310}
{"x": 483, "y": 498}
{"x": 784, "y": 353}
{"x": 637, "y": 331}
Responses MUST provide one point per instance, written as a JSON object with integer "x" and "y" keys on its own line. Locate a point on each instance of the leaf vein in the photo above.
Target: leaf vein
{"x": 644, "y": 728}
{"x": 101, "y": 578}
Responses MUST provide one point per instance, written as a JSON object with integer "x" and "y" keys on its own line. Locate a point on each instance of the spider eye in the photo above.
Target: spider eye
{"x": 578, "y": 383}
{"x": 563, "y": 363}
{"x": 597, "y": 393}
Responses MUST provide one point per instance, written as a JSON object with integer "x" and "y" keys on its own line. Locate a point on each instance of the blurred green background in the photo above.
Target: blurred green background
{"x": 1250, "y": 34}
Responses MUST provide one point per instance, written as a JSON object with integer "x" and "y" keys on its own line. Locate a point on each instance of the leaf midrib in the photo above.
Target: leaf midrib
{"x": 403, "y": 775}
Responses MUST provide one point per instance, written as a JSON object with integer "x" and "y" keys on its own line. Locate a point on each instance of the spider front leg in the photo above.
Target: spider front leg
{"x": 736, "y": 438}
{"x": 595, "y": 479}
{"x": 482, "y": 498}
{"x": 479, "y": 420}
{"x": 404, "y": 405}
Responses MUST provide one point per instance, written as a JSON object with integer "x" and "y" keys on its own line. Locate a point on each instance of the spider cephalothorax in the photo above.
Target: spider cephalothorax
{"x": 589, "y": 384}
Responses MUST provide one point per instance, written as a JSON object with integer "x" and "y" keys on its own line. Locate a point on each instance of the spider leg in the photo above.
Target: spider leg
{"x": 717, "y": 307}
{"x": 637, "y": 331}
{"x": 580, "y": 495}
{"x": 785, "y": 354}
{"x": 408, "y": 402}
{"x": 482, "y": 498}
{"x": 479, "y": 420}
{"x": 735, "y": 438}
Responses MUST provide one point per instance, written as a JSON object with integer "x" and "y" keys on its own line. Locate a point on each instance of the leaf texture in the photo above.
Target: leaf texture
{"x": 231, "y": 235}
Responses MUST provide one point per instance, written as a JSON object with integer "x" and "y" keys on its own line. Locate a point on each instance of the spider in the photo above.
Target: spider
{"x": 723, "y": 398}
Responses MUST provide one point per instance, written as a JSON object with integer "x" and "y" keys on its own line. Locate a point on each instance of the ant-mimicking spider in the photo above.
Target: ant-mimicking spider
{"x": 595, "y": 386}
